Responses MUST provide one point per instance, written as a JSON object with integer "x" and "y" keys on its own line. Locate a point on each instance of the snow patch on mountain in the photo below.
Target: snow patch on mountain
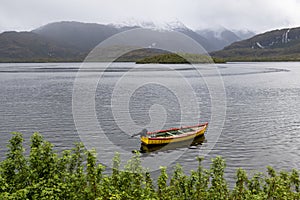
{"x": 168, "y": 26}
{"x": 259, "y": 45}
{"x": 285, "y": 37}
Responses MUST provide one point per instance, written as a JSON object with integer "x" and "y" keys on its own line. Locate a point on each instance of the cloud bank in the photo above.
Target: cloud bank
{"x": 253, "y": 15}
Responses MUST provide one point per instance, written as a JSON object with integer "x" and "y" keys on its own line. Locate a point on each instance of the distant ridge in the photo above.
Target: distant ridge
{"x": 72, "y": 41}
{"x": 82, "y": 36}
{"x": 29, "y": 46}
{"x": 276, "y": 45}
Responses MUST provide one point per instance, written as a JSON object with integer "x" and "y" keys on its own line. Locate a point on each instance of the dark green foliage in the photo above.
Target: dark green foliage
{"x": 219, "y": 189}
{"x": 75, "y": 174}
{"x": 139, "y": 54}
{"x": 179, "y": 58}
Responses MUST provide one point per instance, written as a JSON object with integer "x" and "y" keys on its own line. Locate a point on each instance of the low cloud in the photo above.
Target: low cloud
{"x": 254, "y": 15}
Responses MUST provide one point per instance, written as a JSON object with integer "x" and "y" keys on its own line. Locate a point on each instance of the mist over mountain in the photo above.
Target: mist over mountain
{"x": 244, "y": 34}
{"x": 223, "y": 37}
{"x": 82, "y": 36}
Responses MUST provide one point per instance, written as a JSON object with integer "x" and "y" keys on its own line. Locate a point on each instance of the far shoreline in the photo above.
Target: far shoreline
{"x": 77, "y": 61}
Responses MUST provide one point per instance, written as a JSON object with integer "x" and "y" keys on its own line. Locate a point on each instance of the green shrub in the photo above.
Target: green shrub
{"x": 75, "y": 174}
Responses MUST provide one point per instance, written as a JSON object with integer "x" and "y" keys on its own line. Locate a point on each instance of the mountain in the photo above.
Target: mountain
{"x": 222, "y": 37}
{"x": 66, "y": 41}
{"x": 83, "y": 36}
{"x": 171, "y": 26}
{"x": 28, "y": 46}
{"x": 59, "y": 41}
{"x": 281, "y": 44}
{"x": 205, "y": 43}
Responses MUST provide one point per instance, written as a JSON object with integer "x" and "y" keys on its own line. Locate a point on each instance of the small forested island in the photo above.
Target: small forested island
{"x": 179, "y": 58}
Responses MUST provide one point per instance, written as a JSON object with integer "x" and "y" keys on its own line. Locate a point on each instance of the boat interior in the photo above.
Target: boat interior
{"x": 174, "y": 132}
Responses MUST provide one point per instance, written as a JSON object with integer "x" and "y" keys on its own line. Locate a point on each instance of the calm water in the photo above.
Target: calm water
{"x": 261, "y": 128}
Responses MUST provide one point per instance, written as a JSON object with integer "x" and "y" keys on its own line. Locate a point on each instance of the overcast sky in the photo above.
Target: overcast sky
{"x": 256, "y": 15}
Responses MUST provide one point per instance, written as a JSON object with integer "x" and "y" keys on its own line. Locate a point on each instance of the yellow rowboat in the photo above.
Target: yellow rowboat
{"x": 166, "y": 147}
{"x": 174, "y": 135}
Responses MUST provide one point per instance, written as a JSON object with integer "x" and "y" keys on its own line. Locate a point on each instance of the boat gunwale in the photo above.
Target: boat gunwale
{"x": 176, "y": 129}
{"x": 174, "y": 137}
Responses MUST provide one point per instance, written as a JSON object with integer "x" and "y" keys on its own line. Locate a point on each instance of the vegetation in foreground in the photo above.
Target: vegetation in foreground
{"x": 75, "y": 174}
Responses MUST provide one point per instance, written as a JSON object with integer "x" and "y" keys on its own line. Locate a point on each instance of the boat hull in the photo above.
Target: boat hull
{"x": 165, "y": 147}
{"x": 167, "y": 140}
